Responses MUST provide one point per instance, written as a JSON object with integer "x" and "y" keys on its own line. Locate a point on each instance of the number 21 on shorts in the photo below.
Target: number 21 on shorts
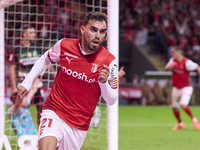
{"x": 45, "y": 122}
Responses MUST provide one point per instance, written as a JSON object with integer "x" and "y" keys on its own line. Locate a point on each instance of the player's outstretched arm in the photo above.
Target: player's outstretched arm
{"x": 198, "y": 70}
{"x": 169, "y": 65}
{"x": 42, "y": 63}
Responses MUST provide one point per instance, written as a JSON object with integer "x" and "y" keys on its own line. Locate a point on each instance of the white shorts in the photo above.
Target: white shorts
{"x": 181, "y": 96}
{"x": 68, "y": 137}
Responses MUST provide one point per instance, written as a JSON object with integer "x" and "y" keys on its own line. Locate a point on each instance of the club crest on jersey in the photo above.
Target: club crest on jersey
{"x": 113, "y": 83}
{"x": 94, "y": 68}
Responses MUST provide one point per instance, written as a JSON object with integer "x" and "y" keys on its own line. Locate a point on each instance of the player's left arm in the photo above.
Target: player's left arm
{"x": 108, "y": 88}
{"x": 198, "y": 70}
{"x": 192, "y": 66}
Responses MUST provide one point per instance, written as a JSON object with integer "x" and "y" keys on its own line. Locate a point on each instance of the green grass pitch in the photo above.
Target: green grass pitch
{"x": 150, "y": 128}
{"x": 147, "y": 128}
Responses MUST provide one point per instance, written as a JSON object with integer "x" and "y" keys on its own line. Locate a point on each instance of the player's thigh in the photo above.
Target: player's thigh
{"x": 50, "y": 126}
{"x": 176, "y": 94}
{"x": 186, "y": 95}
{"x": 73, "y": 139}
{"x": 48, "y": 142}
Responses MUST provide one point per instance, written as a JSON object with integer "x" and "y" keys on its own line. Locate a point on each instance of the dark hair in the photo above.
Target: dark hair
{"x": 178, "y": 48}
{"x": 26, "y": 26}
{"x": 99, "y": 16}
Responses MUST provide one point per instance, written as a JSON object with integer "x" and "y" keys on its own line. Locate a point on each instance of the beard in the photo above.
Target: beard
{"x": 93, "y": 47}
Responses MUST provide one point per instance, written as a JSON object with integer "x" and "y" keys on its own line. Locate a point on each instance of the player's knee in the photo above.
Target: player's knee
{"x": 183, "y": 106}
{"x": 49, "y": 142}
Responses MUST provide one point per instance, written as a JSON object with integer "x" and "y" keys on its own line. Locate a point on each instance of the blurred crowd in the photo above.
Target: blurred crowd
{"x": 52, "y": 20}
{"x": 154, "y": 91}
{"x": 174, "y": 22}
{"x": 169, "y": 23}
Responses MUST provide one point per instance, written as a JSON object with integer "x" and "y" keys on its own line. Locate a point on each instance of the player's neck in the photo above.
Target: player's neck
{"x": 180, "y": 58}
{"x": 84, "y": 48}
{"x": 26, "y": 43}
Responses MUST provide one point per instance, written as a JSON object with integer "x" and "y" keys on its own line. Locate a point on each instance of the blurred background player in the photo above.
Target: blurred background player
{"x": 97, "y": 113}
{"x": 21, "y": 60}
{"x": 182, "y": 88}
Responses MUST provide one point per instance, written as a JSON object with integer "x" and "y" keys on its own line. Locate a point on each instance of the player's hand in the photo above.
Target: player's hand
{"x": 121, "y": 72}
{"x": 21, "y": 91}
{"x": 104, "y": 74}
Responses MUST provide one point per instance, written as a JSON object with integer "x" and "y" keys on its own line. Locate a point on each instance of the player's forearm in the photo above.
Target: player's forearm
{"x": 109, "y": 95}
{"x": 13, "y": 78}
{"x": 167, "y": 68}
{"x": 198, "y": 70}
{"x": 42, "y": 63}
{"x": 169, "y": 65}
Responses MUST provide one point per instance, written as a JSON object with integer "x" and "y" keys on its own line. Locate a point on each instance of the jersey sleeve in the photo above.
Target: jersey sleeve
{"x": 54, "y": 52}
{"x": 109, "y": 90}
{"x": 190, "y": 65}
{"x": 113, "y": 77}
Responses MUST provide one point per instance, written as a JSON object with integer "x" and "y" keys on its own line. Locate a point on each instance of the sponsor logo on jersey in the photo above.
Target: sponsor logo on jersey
{"x": 75, "y": 74}
{"x": 94, "y": 68}
{"x": 28, "y": 61}
{"x": 113, "y": 70}
{"x": 68, "y": 59}
{"x": 113, "y": 81}
{"x": 70, "y": 55}
{"x": 23, "y": 55}
{"x": 178, "y": 71}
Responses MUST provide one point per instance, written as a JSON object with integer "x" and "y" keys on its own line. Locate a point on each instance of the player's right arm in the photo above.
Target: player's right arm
{"x": 169, "y": 65}
{"x": 13, "y": 77}
{"x": 51, "y": 55}
{"x": 41, "y": 64}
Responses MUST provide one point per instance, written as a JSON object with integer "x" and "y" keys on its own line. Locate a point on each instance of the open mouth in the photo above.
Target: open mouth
{"x": 96, "y": 42}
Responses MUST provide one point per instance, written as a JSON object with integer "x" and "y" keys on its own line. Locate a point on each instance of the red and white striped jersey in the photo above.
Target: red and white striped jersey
{"x": 75, "y": 91}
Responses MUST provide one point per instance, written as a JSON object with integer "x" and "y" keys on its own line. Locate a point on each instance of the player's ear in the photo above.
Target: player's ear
{"x": 82, "y": 29}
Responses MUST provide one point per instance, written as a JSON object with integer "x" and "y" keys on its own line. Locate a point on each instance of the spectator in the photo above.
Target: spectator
{"x": 147, "y": 93}
{"x": 21, "y": 60}
{"x": 158, "y": 93}
{"x": 167, "y": 92}
{"x": 136, "y": 80}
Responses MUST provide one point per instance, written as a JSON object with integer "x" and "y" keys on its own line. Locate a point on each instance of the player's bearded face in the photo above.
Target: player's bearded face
{"x": 94, "y": 34}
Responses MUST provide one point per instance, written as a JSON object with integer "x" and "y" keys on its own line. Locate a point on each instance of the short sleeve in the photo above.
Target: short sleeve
{"x": 190, "y": 65}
